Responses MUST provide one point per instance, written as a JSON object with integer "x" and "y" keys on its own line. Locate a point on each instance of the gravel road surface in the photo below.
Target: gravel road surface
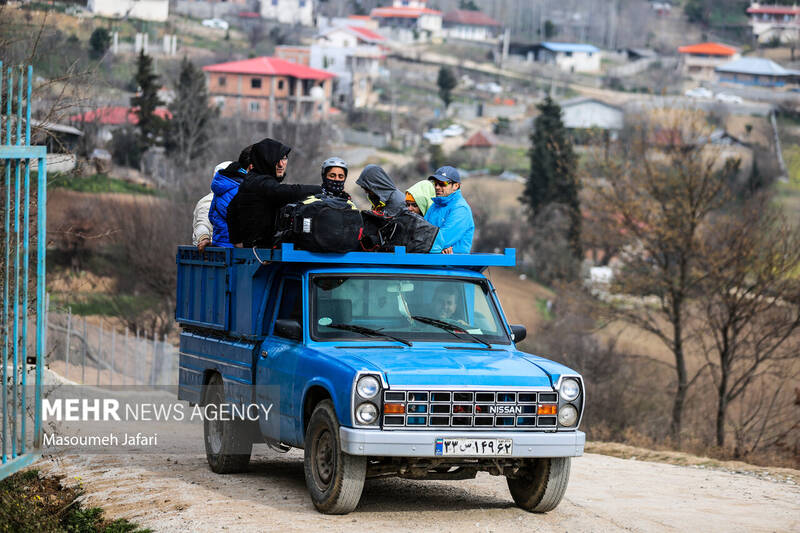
{"x": 180, "y": 493}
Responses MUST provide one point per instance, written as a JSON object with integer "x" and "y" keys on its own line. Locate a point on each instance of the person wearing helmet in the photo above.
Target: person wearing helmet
{"x": 225, "y": 185}
{"x": 334, "y": 174}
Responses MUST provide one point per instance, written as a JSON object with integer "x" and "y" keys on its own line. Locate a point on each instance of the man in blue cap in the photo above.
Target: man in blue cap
{"x": 451, "y": 213}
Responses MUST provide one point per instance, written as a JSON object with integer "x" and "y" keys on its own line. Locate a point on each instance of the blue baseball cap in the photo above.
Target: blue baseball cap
{"x": 446, "y": 173}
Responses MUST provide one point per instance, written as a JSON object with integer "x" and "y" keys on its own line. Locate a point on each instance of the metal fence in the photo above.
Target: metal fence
{"x": 95, "y": 351}
{"x": 19, "y": 440}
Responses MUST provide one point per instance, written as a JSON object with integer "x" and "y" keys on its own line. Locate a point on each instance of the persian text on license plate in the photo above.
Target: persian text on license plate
{"x": 473, "y": 447}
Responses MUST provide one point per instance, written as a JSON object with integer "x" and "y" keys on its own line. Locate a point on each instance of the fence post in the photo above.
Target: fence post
{"x": 153, "y": 361}
{"x": 66, "y": 351}
{"x": 113, "y": 346}
{"x": 85, "y": 347}
{"x": 99, "y": 351}
{"x": 126, "y": 354}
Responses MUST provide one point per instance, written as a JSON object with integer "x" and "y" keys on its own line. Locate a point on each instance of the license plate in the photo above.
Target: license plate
{"x": 473, "y": 447}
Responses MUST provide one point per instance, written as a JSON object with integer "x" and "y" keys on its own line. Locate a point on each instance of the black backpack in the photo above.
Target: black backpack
{"x": 328, "y": 224}
{"x": 407, "y": 229}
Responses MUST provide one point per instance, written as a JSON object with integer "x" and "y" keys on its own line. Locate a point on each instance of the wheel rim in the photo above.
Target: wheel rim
{"x": 324, "y": 459}
{"x": 214, "y": 436}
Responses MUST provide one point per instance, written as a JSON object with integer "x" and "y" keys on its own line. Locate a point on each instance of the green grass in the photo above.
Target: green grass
{"x": 544, "y": 312}
{"x": 30, "y": 502}
{"x": 99, "y": 304}
{"x": 98, "y": 183}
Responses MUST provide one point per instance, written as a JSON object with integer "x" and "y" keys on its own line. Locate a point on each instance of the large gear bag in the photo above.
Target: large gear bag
{"x": 328, "y": 225}
{"x": 382, "y": 234}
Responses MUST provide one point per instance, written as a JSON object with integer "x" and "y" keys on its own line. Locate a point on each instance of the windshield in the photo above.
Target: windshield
{"x": 410, "y": 308}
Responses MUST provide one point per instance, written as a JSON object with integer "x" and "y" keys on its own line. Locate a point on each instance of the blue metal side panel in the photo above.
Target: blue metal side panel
{"x": 232, "y": 359}
{"x": 203, "y": 298}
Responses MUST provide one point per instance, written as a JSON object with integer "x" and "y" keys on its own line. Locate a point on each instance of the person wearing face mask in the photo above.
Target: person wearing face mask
{"x": 386, "y": 199}
{"x": 420, "y": 196}
{"x": 334, "y": 175}
{"x": 253, "y": 212}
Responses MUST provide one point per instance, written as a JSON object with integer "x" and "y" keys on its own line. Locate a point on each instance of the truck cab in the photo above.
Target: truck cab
{"x": 375, "y": 364}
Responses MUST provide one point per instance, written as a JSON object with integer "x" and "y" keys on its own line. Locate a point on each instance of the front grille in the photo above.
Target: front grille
{"x": 471, "y": 409}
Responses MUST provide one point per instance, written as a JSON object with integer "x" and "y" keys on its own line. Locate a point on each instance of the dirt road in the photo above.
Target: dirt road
{"x": 180, "y": 493}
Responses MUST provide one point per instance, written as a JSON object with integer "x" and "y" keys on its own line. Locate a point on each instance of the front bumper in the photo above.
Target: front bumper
{"x": 422, "y": 443}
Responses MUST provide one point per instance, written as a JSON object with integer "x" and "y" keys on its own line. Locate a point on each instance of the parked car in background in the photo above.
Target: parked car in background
{"x": 216, "y": 23}
{"x": 434, "y": 136}
{"x": 699, "y": 92}
{"x": 728, "y": 98}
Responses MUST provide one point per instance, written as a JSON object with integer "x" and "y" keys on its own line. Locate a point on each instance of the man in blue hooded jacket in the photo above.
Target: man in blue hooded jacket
{"x": 225, "y": 185}
{"x": 451, "y": 213}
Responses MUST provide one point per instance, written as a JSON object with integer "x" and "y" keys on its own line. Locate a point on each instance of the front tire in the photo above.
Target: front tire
{"x": 335, "y": 479}
{"x": 539, "y": 487}
{"x": 228, "y": 444}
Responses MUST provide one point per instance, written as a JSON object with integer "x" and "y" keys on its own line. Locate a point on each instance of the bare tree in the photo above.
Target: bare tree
{"x": 750, "y": 305}
{"x": 662, "y": 187}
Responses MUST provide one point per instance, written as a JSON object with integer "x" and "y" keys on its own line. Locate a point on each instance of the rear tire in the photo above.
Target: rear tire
{"x": 228, "y": 444}
{"x": 335, "y": 479}
{"x": 541, "y": 485}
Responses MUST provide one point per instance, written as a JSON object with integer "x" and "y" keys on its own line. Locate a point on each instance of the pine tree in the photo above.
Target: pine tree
{"x": 553, "y": 177}
{"x": 192, "y": 115}
{"x": 447, "y": 82}
{"x": 146, "y": 102}
{"x": 99, "y": 43}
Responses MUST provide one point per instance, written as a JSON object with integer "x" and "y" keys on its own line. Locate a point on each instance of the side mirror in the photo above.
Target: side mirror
{"x": 518, "y": 332}
{"x": 289, "y": 328}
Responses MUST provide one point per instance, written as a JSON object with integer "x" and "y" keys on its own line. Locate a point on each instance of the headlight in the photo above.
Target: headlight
{"x": 367, "y": 387}
{"x": 569, "y": 390}
{"x": 567, "y": 416}
{"x": 367, "y": 413}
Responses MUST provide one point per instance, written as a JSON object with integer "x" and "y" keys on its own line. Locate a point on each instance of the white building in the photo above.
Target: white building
{"x": 409, "y": 20}
{"x": 289, "y": 11}
{"x": 570, "y": 57}
{"x": 156, "y": 10}
{"x": 781, "y": 23}
{"x": 354, "y": 54}
{"x": 583, "y": 114}
{"x": 470, "y": 25}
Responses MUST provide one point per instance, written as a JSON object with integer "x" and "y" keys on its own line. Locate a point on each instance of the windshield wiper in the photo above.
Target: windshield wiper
{"x": 450, "y": 328}
{"x": 369, "y": 332}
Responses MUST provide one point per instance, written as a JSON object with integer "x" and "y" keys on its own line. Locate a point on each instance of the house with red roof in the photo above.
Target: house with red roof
{"x": 355, "y": 54}
{"x": 698, "y": 61}
{"x": 470, "y": 25}
{"x": 269, "y": 88}
{"x": 289, "y": 11}
{"x": 779, "y": 23}
{"x": 409, "y": 20}
{"x": 109, "y": 118}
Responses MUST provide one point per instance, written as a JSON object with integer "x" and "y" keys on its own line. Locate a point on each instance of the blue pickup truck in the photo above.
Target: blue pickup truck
{"x": 376, "y": 364}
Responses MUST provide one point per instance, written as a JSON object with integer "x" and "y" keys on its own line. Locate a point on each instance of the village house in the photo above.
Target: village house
{"x": 585, "y": 116}
{"x": 570, "y": 57}
{"x": 757, "y": 71}
{"x": 409, "y": 20}
{"x": 470, "y": 25}
{"x": 289, "y": 11}
{"x": 155, "y": 10}
{"x": 774, "y": 22}
{"x": 354, "y": 54}
{"x": 268, "y": 88}
{"x": 698, "y": 61}
{"x": 107, "y": 119}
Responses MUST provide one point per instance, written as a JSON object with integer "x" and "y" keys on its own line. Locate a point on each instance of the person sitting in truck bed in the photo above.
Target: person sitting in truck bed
{"x": 419, "y": 197}
{"x": 202, "y": 229}
{"x": 386, "y": 199}
{"x": 253, "y": 211}
{"x": 225, "y": 185}
{"x": 451, "y": 213}
{"x": 334, "y": 174}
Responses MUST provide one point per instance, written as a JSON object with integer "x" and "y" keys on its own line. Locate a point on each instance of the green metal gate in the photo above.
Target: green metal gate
{"x": 20, "y": 442}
